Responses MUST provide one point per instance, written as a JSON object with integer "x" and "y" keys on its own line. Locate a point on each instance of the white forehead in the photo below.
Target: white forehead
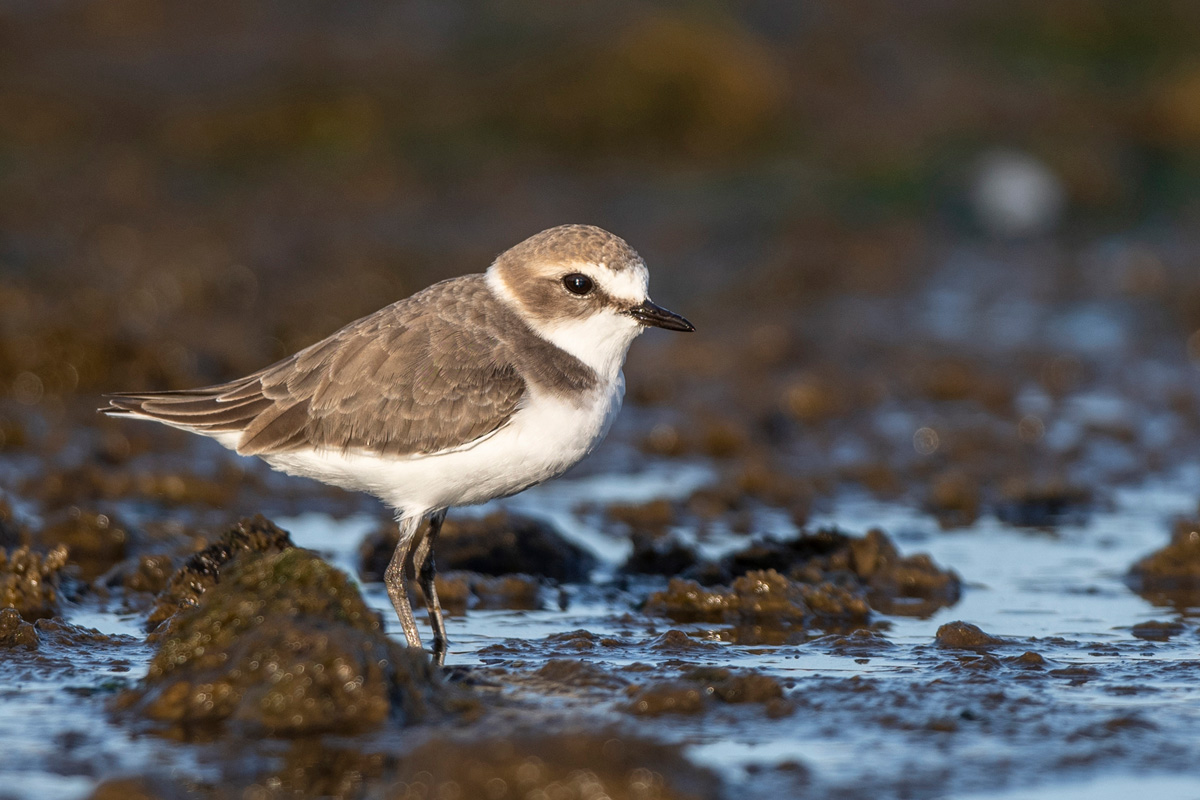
{"x": 629, "y": 283}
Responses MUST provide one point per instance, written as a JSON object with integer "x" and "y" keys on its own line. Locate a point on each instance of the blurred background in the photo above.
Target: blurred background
{"x": 948, "y": 250}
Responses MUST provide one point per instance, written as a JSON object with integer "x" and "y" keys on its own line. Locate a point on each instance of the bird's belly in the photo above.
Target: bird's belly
{"x": 544, "y": 439}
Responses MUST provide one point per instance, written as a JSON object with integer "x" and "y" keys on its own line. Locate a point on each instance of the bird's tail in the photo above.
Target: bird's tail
{"x": 210, "y": 411}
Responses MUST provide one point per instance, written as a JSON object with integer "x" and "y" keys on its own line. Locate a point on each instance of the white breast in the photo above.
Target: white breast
{"x": 546, "y": 437}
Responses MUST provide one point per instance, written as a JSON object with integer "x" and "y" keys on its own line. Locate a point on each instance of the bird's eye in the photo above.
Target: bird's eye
{"x": 577, "y": 283}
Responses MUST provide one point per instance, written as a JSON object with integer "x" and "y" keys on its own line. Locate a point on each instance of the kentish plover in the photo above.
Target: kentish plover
{"x": 475, "y": 388}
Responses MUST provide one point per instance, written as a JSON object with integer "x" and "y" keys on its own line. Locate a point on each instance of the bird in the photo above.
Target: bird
{"x": 474, "y": 388}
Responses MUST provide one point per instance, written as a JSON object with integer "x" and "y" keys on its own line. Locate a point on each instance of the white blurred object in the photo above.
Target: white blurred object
{"x": 1016, "y": 195}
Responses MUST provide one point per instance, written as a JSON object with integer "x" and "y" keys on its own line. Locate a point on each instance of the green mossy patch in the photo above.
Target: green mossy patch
{"x": 1170, "y": 576}
{"x": 283, "y": 645}
{"x": 203, "y": 570}
{"x": 16, "y": 632}
{"x": 29, "y": 581}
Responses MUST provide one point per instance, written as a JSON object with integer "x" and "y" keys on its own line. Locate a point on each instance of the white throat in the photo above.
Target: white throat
{"x": 600, "y": 341}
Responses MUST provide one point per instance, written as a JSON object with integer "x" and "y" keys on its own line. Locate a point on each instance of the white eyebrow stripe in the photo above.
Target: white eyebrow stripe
{"x": 629, "y": 284}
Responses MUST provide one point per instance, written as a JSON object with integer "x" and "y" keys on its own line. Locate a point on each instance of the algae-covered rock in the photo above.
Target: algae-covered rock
{"x": 700, "y": 685}
{"x": 955, "y": 498}
{"x": 761, "y": 597}
{"x": 1157, "y": 631}
{"x": 70, "y": 637}
{"x": 16, "y": 632}
{"x": 564, "y": 766}
{"x": 150, "y": 574}
{"x": 498, "y": 544}
{"x": 687, "y": 601}
{"x": 203, "y": 570}
{"x": 904, "y": 585}
{"x": 1042, "y": 505}
{"x": 283, "y": 645}
{"x": 660, "y": 554}
{"x": 95, "y": 541}
{"x": 666, "y": 698}
{"x": 458, "y": 591}
{"x": 29, "y": 581}
{"x": 522, "y": 592}
{"x": 768, "y": 595}
{"x": 1171, "y": 575}
{"x": 820, "y": 548}
{"x": 961, "y": 635}
{"x": 729, "y": 686}
{"x": 577, "y": 673}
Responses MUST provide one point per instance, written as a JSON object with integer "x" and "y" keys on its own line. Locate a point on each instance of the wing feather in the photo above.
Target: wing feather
{"x": 424, "y": 375}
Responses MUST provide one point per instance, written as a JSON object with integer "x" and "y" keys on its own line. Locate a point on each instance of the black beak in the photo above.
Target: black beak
{"x": 649, "y": 314}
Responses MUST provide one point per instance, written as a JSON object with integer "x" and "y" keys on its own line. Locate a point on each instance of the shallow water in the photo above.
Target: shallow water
{"x": 1060, "y": 594}
{"x": 1106, "y": 711}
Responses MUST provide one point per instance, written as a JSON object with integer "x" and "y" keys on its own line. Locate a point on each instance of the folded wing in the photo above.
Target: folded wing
{"x": 421, "y": 376}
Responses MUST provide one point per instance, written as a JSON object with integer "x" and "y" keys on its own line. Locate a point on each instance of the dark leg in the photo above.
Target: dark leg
{"x": 426, "y": 571}
{"x": 394, "y": 578}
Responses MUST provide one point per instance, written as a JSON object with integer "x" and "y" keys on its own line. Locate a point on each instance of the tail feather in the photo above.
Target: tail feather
{"x": 205, "y": 411}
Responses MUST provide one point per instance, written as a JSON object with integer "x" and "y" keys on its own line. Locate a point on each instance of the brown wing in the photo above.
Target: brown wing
{"x": 423, "y": 375}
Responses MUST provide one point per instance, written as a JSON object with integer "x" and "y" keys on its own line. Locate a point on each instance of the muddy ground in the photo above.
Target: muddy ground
{"x": 915, "y": 513}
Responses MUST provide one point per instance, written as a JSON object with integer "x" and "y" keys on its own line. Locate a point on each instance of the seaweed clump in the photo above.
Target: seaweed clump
{"x": 959, "y": 635}
{"x": 283, "y": 645}
{"x": 894, "y": 584}
{"x": 461, "y": 590}
{"x": 203, "y": 570}
{"x": 95, "y": 541}
{"x": 29, "y": 581}
{"x": 762, "y": 598}
{"x": 701, "y": 685}
{"x": 773, "y": 589}
{"x": 1170, "y": 576}
{"x": 16, "y": 632}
